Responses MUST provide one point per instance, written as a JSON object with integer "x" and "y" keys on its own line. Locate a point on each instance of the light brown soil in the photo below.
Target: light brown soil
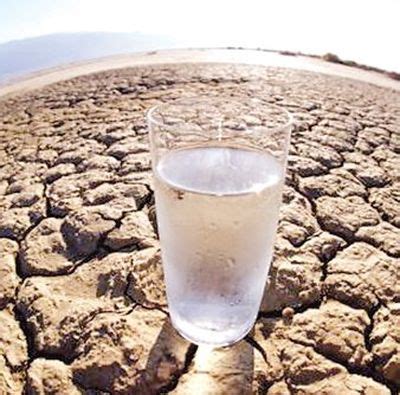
{"x": 82, "y": 300}
{"x": 298, "y": 61}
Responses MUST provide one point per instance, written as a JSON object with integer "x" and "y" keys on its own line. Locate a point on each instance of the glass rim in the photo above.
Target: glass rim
{"x": 185, "y": 100}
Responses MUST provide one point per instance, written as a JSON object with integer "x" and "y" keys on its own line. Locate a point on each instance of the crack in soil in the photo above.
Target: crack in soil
{"x": 190, "y": 354}
{"x": 253, "y": 342}
{"x": 367, "y": 371}
{"x": 296, "y": 310}
{"x": 370, "y": 327}
{"x": 29, "y": 337}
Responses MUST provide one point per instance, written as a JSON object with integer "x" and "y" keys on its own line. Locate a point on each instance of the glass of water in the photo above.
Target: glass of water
{"x": 219, "y": 167}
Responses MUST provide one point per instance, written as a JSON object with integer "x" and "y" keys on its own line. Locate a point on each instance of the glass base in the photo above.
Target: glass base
{"x": 209, "y": 337}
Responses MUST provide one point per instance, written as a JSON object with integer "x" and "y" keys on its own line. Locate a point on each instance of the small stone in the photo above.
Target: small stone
{"x": 288, "y": 313}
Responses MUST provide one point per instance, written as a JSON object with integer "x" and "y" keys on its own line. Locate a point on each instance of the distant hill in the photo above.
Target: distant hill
{"x": 32, "y": 54}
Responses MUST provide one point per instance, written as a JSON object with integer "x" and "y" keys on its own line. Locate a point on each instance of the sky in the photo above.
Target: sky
{"x": 366, "y": 31}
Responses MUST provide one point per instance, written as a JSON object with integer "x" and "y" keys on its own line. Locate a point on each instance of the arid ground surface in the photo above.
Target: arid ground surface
{"x": 82, "y": 302}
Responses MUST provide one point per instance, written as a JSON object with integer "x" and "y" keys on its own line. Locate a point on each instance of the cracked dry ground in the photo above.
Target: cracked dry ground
{"x": 82, "y": 303}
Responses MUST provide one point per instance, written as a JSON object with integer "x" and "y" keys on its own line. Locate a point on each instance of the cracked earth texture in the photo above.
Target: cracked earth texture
{"x": 82, "y": 300}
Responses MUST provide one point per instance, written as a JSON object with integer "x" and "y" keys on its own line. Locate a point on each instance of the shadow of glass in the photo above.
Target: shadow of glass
{"x": 179, "y": 367}
{"x": 167, "y": 361}
{"x": 226, "y": 370}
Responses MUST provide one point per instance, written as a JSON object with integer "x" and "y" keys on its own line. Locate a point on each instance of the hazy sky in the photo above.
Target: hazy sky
{"x": 367, "y": 31}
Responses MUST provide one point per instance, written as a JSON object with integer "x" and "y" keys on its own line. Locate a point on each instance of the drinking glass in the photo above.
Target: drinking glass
{"x": 219, "y": 167}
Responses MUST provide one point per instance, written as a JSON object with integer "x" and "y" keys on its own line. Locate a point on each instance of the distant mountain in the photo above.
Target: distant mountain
{"x": 32, "y": 54}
